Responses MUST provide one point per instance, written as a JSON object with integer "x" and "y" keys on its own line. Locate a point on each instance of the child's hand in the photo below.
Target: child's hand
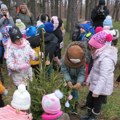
{"x": 95, "y": 95}
{"x": 30, "y": 116}
{"x": 70, "y": 85}
{"x": 77, "y": 86}
{"x": 24, "y": 67}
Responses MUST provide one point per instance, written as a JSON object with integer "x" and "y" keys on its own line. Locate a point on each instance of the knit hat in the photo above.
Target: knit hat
{"x": 57, "y": 22}
{"x": 101, "y": 2}
{"x": 31, "y": 31}
{"x": 21, "y": 98}
{"x": 75, "y": 55}
{"x": 99, "y": 39}
{"x": 3, "y": 6}
{"x": 20, "y": 25}
{"x": 51, "y": 102}
{"x": 85, "y": 27}
{"x": 98, "y": 29}
{"x": 75, "y": 52}
{"x": 48, "y": 27}
{"x": 108, "y": 21}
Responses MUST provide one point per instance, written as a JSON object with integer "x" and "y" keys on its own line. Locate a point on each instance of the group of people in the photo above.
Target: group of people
{"x": 90, "y": 59}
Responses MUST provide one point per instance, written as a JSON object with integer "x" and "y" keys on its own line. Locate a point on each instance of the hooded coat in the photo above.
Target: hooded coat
{"x": 101, "y": 77}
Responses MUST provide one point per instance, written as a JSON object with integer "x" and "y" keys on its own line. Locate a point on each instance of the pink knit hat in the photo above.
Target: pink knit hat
{"x": 99, "y": 39}
{"x": 51, "y": 102}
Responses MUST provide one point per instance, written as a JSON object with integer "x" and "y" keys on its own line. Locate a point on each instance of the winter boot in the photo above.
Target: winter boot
{"x": 86, "y": 116}
{"x": 74, "y": 110}
{"x": 93, "y": 116}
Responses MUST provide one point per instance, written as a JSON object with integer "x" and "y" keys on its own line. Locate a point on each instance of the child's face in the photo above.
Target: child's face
{"x": 18, "y": 41}
{"x": 82, "y": 30}
{"x": 92, "y": 49}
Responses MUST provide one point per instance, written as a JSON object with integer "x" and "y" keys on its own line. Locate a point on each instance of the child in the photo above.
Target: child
{"x": 20, "y": 25}
{"x": 50, "y": 41}
{"x": 52, "y": 107}
{"x": 73, "y": 68}
{"x": 101, "y": 77}
{"x": 108, "y": 28}
{"x": 18, "y": 61}
{"x": 19, "y": 107}
{"x": 57, "y": 23}
{"x": 34, "y": 40}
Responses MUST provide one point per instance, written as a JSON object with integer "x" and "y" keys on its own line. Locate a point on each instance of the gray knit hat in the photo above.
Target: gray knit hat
{"x": 3, "y": 6}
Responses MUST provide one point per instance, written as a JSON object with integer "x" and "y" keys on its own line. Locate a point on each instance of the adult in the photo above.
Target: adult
{"x": 25, "y": 15}
{"x": 5, "y": 18}
{"x": 99, "y": 13}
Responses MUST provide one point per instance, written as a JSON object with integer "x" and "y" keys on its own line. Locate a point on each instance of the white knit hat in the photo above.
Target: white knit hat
{"x": 51, "y": 102}
{"x": 21, "y": 98}
{"x": 3, "y": 6}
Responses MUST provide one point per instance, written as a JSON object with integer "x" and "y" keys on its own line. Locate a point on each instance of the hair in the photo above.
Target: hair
{"x": 43, "y": 17}
{"x": 27, "y": 10}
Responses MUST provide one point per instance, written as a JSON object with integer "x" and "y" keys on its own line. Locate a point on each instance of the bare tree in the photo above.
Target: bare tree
{"x": 52, "y": 7}
{"x": 68, "y": 23}
{"x": 56, "y": 7}
{"x": 81, "y": 3}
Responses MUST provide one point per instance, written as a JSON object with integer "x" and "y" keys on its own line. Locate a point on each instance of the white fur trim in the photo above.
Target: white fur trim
{"x": 58, "y": 94}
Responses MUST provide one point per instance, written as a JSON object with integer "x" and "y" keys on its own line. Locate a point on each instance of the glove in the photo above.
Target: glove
{"x": 70, "y": 85}
{"x": 95, "y": 95}
{"x": 24, "y": 67}
{"x": 61, "y": 45}
{"x": 77, "y": 86}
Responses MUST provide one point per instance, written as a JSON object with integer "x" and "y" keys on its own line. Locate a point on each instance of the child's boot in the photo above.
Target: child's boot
{"x": 87, "y": 115}
{"x": 74, "y": 111}
{"x": 93, "y": 116}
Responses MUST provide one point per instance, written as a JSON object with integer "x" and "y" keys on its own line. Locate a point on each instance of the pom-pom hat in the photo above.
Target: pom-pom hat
{"x": 108, "y": 21}
{"x": 51, "y": 102}
{"x": 98, "y": 29}
{"x": 21, "y": 98}
{"x": 99, "y": 39}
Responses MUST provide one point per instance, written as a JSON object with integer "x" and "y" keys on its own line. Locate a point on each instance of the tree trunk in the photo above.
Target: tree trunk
{"x": 65, "y": 9}
{"x": 81, "y": 1}
{"x": 117, "y": 10}
{"x": 52, "y": 7}
{"x": 60, "y": 8}
{"x": 68, "y": 22}
{"x": 56, "y": 7}
{"x": 74, "y": 15}
{"x": 44, "y": 9}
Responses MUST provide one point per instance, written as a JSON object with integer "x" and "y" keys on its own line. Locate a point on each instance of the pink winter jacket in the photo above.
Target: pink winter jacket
{"x": 101, "y": 77}
{"x": 9, "y": 113}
